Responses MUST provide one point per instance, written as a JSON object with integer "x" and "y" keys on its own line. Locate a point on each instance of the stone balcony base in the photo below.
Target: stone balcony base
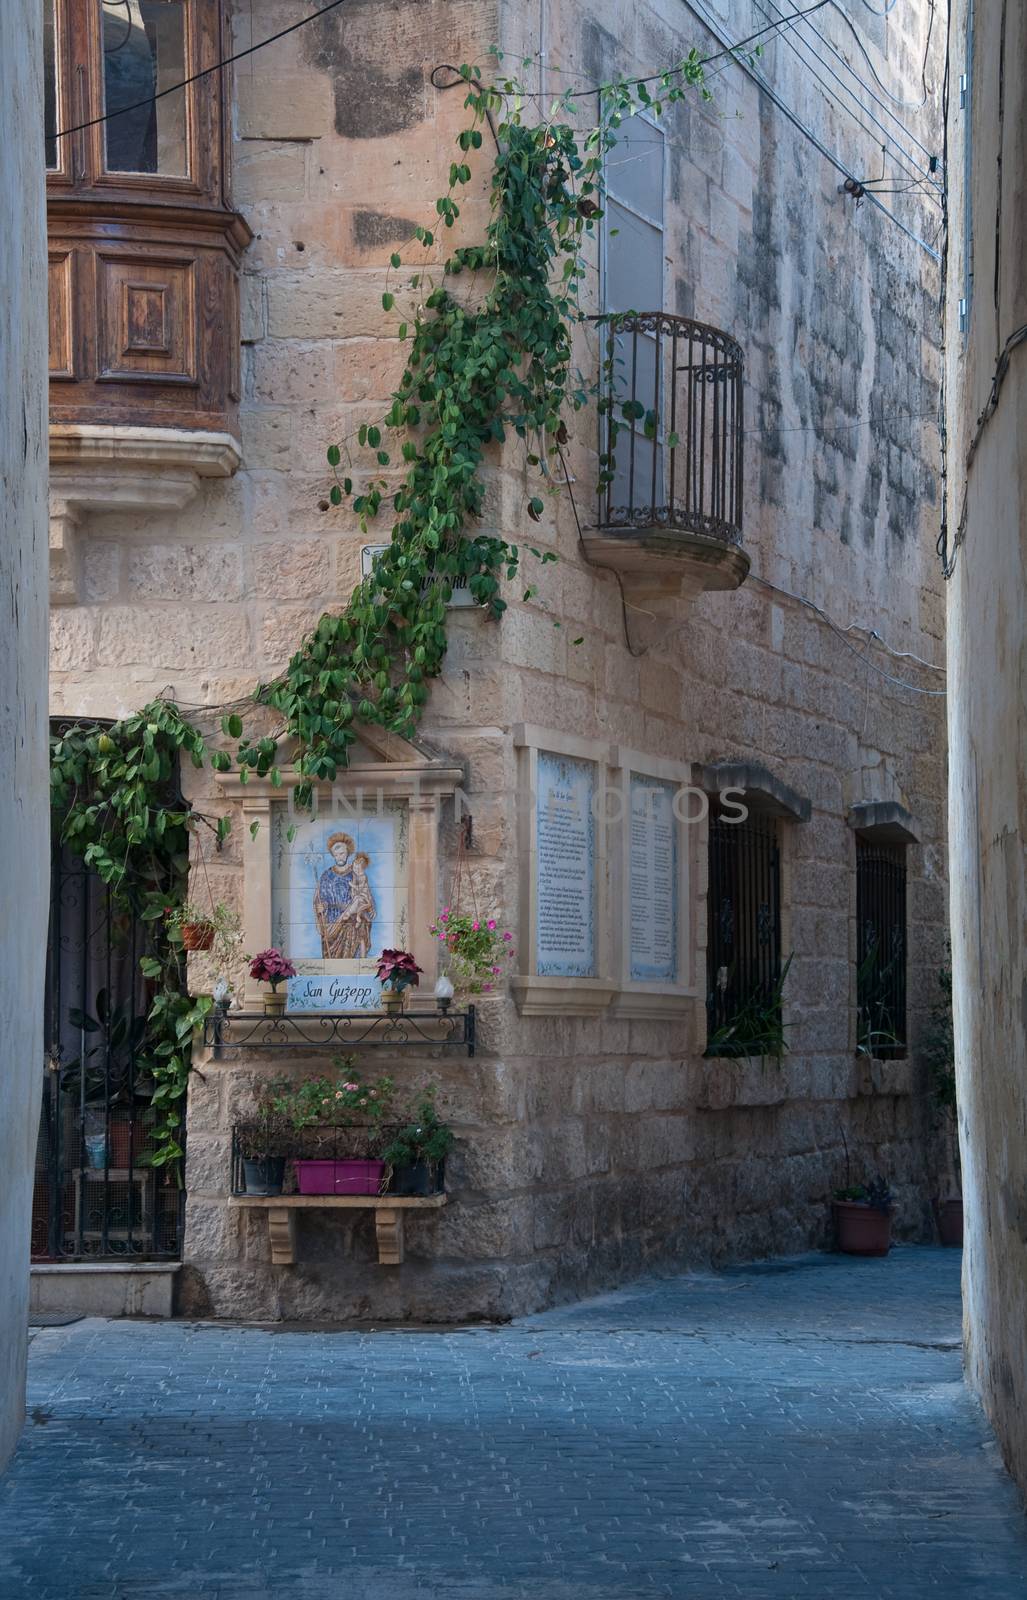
{"x": 664, "y": 569}
{"x": 117, "y": 468}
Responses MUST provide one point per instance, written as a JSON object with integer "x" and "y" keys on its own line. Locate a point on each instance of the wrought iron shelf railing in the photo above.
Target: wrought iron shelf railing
{"x": 234, "y": 1032}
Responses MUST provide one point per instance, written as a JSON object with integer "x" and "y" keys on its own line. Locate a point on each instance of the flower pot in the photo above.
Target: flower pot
{"x": 197, "y": 935}
{"x": 949, "y": 1216}
{"x": 392, "y": 1000}
{"x": 420, "y": 1177}
{"x": 862, "y": 1230}
{"x": 339, "y": 1177}
{"x": 274, "y": 1003}
{"x": 264, "y": 1176}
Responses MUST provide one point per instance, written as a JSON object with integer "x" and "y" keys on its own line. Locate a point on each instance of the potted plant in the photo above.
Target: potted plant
{"x": 215, "y": 927}
{"x": 263, "y": 1167}
{"x": 329, "y": 1106}
{"x": 270, "y": 966}
{"x": 756, "y": 1026}
{"x": 939, "y": 1053}
{"x": 862, "y": 1215}
{"x": 398, "y": 972}
{"x": 475, "y": 948}
{"x": 417, "y": 1152}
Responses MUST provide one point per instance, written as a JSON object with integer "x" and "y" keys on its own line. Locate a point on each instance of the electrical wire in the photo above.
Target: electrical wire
{"x": 872, "y": 637}
{"x": 907, "y": 105}
{"x": 226, "y": 61}
{"x": 699, "y": 10}
{"x": 867, "y": 88}
{"x": 797, "y": 43}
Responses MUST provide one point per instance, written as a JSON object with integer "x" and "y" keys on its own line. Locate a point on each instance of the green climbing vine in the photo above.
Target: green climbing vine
{"x": 492, "y": 362}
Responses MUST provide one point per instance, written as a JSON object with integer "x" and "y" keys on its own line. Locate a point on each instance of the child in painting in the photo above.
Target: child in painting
{"x": 358, "y": 917}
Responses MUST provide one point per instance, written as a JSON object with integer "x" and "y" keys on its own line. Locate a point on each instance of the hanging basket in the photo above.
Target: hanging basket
{"x": 197, "y": 935}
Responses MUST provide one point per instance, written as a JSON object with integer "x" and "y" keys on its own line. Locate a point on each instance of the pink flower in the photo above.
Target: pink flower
{"x": 491, "y": 924}
{"x": 486, "y": 986}
{"x": 495, "y": 969}
{"x": 351, "y": 1087}
{"x": 476, "y": 926}
{"x": 507, "y": 937}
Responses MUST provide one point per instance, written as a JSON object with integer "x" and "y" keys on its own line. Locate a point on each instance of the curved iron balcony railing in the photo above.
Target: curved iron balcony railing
{"x": 670, "y": 431}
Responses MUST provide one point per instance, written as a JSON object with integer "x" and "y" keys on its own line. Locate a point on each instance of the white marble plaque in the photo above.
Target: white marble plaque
{"x": 565, "y": 929}
{"x": 653, "y": 881}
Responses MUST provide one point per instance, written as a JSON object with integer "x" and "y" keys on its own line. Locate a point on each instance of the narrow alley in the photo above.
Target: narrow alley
{"x": 796, "y": 1428}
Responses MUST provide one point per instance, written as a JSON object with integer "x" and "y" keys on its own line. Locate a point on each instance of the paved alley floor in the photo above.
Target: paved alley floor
{"x": 795, "y": 1429}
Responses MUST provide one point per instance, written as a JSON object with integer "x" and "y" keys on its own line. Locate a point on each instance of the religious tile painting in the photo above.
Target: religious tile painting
{"x": 338, "y": 897}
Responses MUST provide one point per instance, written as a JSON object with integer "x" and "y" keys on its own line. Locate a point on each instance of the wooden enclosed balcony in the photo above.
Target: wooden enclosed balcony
{"x": 669, "y": 517}
{"x": 145, "y": 253}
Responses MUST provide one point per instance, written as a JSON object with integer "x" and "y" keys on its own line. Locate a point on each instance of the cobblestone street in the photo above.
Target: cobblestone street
{"x": 793, "y": 1429}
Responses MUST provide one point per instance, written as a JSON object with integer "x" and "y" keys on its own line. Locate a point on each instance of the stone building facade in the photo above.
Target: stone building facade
{"x": 986, "y": 547}
{"x": 24, "y": 825}
{"x": 595, "y": 1137}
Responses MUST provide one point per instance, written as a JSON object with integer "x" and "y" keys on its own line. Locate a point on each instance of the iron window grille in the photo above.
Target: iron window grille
{"x": 881, "y": 946}
{"x": 744, "y": 934}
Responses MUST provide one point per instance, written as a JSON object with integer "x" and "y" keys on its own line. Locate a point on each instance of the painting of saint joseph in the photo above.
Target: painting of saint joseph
{"x": 344, "y": 907}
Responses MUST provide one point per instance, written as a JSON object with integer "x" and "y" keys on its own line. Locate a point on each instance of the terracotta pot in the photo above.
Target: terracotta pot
{"x": 862, "y": 1230}
{"x": 274, "y": 1003}
{"x": 949, "y": 1217}
{"x": 197, "y": 935}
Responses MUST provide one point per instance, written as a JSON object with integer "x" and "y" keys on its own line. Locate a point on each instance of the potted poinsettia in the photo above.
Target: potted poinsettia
{"x": 398, "y": 971}
{"x": 334, "y": 1109}
{"x": 862, "y": 1215}
{"x": 475, "y": 948}
{"x": 417, "y": 1152}
{"x": 270, "y": 966}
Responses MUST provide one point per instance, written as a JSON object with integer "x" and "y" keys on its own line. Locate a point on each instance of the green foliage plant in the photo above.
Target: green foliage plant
{"x": 423, "y": 1137}
{"x": 757, "y": 1027}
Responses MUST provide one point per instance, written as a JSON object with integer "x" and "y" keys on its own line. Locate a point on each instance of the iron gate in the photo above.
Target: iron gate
{"x": 96, "y": 1196}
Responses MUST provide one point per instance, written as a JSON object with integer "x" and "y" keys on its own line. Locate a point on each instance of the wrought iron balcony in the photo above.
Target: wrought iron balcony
{"x": 670, "y": 456}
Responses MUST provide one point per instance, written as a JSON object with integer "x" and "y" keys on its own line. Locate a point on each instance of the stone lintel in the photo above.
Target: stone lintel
{"x": 764, "y": 792}
{"x": 884, "y": 821}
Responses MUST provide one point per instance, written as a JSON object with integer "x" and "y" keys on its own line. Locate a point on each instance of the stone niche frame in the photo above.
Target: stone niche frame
{"x": 611, "y": 991}
{"x": 381, "y": 763}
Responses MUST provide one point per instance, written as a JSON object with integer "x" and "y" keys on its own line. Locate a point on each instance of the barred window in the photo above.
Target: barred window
{"x": 743, "y": 951}
{"x": 881, "y": 948}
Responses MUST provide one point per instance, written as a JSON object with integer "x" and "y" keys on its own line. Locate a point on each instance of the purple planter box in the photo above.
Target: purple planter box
{"x": 339, "y": 1177}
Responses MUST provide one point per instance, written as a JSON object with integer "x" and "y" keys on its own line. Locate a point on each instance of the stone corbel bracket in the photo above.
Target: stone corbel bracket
{"x": 116, "y": 468}
{"x": 884, "y": 821}
{"x": 763, "y": 790}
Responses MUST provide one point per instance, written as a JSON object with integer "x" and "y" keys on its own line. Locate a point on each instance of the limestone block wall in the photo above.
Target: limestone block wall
{"x": 987, "y": 624}
{"x": 24, "y": 819}
{"x": 588, "y": 1148}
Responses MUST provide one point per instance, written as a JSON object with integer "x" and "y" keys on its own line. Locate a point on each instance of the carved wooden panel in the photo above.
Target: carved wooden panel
{"x": 62, "y": 314}
{"x": 146, "y": 319}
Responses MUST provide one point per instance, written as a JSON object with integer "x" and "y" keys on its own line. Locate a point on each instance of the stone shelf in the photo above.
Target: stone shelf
{"x": 388, "y": 1219}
